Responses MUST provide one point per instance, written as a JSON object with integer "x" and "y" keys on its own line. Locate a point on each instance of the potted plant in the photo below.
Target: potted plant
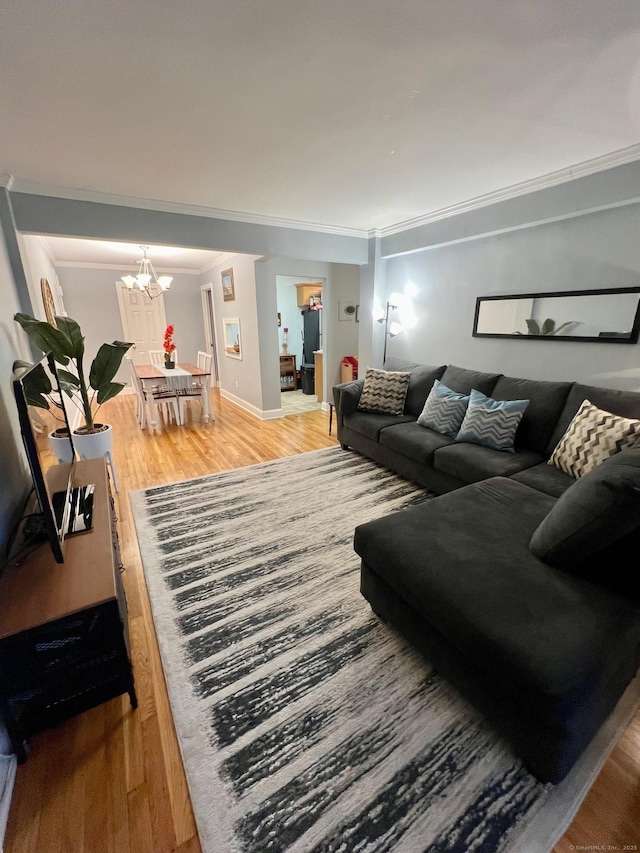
{"x": 169, "y": 348}
{"x": 65, "y": 342}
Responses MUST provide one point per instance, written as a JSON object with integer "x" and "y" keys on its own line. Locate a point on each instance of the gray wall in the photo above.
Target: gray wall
{"x": 600, "y": 249}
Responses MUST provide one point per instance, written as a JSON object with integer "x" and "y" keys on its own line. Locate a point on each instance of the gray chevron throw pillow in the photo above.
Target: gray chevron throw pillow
{"x": 593, "y": 436}
{"x": 384, "y": 391}
{"x": 444, "y": 410}
{"x": 492, "y": 423}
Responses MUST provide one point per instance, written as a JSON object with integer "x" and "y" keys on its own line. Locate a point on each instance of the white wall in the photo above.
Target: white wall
{"x": 38, "y": 264}
{"x": 600, "y": 249}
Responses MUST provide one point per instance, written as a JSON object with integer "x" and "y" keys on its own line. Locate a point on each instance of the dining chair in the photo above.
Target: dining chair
{"x": 156, "y": 357}
{"x": 158, "y": 395}
{"x": 199, "y": 389}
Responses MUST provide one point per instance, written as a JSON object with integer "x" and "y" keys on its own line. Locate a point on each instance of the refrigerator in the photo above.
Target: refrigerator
{"x": 311, "y": 335}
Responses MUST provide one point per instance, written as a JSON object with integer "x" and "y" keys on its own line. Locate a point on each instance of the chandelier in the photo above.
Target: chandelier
{"x": 146, "y": 277}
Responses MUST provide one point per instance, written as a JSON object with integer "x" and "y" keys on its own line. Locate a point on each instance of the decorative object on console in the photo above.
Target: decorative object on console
{"x": 384, "y": 391}
{"x": 285, "y": 341}
{"x": 444, "y": 410}
{"x": 592, "y": 436}
{"x": 491, "y": 423}
{"x": 169, "y": 348}
{"x": 146, "y": 277}
{"x": 65, "y": 342}
{"x": 228, "y": 286}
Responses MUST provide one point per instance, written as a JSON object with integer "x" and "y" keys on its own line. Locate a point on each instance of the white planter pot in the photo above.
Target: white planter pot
{"x": 61, "y": 447}
{"x": 94, "y": 445}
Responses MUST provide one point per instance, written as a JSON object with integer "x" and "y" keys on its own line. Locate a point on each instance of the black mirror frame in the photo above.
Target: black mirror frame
{"x": 632, "y": 338}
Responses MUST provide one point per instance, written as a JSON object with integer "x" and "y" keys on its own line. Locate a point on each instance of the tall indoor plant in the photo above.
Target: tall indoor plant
{"x": 65, "y": 342}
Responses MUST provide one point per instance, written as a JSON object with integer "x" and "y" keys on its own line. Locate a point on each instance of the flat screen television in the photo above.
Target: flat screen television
{"x": 69, "y": 510}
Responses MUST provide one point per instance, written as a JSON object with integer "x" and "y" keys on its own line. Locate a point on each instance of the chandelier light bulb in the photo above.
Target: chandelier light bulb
{"x": 146, "y": 275}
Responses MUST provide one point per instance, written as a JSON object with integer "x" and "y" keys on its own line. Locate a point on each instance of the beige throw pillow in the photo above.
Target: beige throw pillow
{"x": 384, "y": 391}
{"x": 593, "y": 436}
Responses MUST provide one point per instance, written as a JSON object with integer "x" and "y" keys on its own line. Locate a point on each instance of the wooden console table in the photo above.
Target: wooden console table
{"x": 64, "y": 640}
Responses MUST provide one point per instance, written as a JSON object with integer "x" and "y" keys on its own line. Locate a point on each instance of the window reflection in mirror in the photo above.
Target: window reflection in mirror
{"x": 585, "y": 315}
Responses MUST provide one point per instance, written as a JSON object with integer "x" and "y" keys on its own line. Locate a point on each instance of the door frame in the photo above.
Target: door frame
{"x": 210, "y": 336}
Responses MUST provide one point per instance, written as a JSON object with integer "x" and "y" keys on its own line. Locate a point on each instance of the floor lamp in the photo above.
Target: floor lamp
{"x": 391, "y": 329}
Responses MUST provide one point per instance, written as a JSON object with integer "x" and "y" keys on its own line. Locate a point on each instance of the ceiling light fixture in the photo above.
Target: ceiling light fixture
{"x": 146, "y": 277}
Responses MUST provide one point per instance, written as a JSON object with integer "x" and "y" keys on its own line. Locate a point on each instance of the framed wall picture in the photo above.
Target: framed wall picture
{"x": 228, "y": 289}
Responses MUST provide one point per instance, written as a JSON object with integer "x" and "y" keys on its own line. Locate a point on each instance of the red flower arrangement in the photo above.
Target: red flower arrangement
{"x": 168, "y": 344}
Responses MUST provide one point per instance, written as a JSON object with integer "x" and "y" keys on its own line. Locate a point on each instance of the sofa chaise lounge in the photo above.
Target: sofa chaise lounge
{"x": 519, "y": 582}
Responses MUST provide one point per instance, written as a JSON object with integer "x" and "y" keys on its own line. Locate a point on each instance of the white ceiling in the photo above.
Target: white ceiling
{"x": 350, "y": 113}
{"x": 103, "y": 253}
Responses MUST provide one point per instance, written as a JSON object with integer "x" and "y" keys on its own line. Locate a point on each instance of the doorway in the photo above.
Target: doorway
{"x": 208, "y": 316}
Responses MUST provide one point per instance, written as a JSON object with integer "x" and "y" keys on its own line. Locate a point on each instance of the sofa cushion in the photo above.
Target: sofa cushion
{"x": 413, "y": 441}
{"x": 462, "y": 380}
{"x": 463, "y": 563}
{"x": 369, "y": 424}
{"x": 599, "y": 508}
{"x": 623, "y": 403}
{"x": 384, "y": 391}
{"x": 545, "y": 478}
{"x": 491, "y": 423}
{"x": 593, "y": 436}
{"x": 444, "y": 410}
{"x": 546, "y": 401}
{"x": 421, "y": 383}
{"x": 472, "y": 462}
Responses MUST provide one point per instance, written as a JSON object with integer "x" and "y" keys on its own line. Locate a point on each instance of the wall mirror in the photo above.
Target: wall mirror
{"x": 232, "y": 340}
{"x": 601, "y": 316}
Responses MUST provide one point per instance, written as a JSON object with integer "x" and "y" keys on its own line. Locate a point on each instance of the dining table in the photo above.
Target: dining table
{"x": 181, "y": 377}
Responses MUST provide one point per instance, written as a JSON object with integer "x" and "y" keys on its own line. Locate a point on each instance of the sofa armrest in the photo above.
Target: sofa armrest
{"x": 346, "y": 397}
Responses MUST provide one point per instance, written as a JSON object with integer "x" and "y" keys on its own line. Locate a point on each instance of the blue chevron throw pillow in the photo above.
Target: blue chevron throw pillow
{"x": 444, "y": 410}
{"x": 492, "y": 423}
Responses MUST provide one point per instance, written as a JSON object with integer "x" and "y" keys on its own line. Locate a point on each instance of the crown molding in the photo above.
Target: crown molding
{"x": 561, "y": 176}
{"x": 45, "y": 248}
{"x": 129, "y": 268}
{"x": 33, "y": 188}
{"x": 223, "y": 259}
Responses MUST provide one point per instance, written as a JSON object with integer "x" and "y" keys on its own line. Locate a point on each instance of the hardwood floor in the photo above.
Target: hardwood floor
{"x": 112, "y": 778}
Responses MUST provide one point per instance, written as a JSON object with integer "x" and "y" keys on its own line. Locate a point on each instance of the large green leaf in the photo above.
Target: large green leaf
{"x": 72, "y": 335}
{"x": 45, "y": 336}
{"x": 106, "y": 364}
{"x": 548, "y": 326}
{"x": 36, "y": 385}
{"x": 533, "y": 327}
{"x": 108, "y": 391}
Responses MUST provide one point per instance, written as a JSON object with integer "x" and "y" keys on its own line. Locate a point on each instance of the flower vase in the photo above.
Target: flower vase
{"x": 170, "y": 365}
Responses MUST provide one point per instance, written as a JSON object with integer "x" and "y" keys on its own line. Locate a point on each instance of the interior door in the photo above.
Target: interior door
{"x": 143, "y": 321}
{"x": 210, "y": 330}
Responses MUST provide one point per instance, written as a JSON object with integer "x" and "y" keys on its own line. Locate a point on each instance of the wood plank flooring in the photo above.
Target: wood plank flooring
{"x": 112, "y": 779}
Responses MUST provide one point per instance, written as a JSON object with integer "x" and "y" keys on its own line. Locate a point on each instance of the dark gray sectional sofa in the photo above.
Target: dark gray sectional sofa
{"x": 519, "y": 583}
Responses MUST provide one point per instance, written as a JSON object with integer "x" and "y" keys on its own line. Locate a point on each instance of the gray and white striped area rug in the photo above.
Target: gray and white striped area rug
{"x": 305, "y": 723}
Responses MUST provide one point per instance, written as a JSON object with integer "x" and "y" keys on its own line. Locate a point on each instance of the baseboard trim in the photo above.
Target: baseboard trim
{"x": 262, "y": 414}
